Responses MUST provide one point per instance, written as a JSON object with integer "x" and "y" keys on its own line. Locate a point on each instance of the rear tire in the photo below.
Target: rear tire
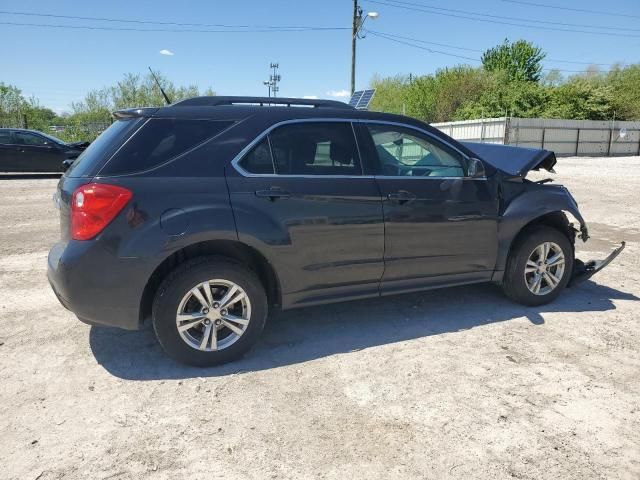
{"x": 539, "y": 266}
{"x": 184, "y": 312}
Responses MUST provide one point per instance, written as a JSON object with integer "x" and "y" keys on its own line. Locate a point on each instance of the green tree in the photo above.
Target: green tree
{"x": 505, "y": 98}
{"x": 12, "y": 105}
{"x": 432, "y": 98}
{"x": 521, "y": 60}
{"x": 132, "y": 91}
{"x": 580, "y": 99}
{"x": 390, "y": 94}
{"x": 455, "y": 86}
{"x": 625, "y": 85}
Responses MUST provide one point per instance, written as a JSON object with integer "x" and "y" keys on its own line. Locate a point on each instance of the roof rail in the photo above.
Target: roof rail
{"x": 262, "y": 101}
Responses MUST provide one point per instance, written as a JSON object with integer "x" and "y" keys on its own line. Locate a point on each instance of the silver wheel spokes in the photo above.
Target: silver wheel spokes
{"x": 213, "y": 315}
{"x": 544, "y": 269}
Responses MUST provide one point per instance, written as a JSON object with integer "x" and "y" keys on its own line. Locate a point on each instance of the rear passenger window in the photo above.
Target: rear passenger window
{"x": 258, "y": 160}
{"x": 161, "y": 140}
{"x": 322, "y": 148}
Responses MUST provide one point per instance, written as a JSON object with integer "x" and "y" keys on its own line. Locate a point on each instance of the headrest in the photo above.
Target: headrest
{"x": 340, "y": 154}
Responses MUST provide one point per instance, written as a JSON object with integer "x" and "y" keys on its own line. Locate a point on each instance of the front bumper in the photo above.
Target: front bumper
{"x": 583, "y": 271}
{"x": 98, "y": 287}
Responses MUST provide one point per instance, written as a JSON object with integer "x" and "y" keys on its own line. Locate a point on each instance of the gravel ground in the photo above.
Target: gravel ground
{"x": 458, "y": 383}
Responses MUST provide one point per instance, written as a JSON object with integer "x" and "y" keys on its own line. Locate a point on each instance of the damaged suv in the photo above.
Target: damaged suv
{"x": 203, "y": 215}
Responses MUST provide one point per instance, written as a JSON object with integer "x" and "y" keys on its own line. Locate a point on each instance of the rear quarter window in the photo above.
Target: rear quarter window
{"x": 5, "y": 137}
{"x": 161, "y": 140}
{"x": 102, "y": 148}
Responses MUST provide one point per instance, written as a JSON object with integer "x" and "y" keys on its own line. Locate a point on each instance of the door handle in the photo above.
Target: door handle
{"x": 273, "y": 194}
{"x": 402, "y": 197}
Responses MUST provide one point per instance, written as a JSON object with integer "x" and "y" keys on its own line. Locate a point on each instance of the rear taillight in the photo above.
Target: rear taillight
{"x": 93, "y": 206}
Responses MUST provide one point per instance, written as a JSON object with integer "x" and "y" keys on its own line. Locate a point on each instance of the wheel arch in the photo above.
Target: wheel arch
{"x": 557, "y": 219}
{"x": 228, "y": 249}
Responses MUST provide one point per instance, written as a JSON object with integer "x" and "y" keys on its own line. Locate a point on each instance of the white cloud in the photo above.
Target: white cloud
{"x": 339, "y": 93}
{"x": 310, "y": 97}
{"x": 164, "y": 51}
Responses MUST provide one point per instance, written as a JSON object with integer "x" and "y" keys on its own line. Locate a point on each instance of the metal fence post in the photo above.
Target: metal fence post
{"x": 577, "y": 142}
{"x": 544, "y": 132}
{"x": 482, "y": 131}
{"x": 507, "y": 127}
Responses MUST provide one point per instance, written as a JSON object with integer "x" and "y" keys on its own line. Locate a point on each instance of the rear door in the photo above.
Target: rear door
{"x": 301, "y": 197}
{"x": 8, "y": 151}
{"x": 441, "y": 226}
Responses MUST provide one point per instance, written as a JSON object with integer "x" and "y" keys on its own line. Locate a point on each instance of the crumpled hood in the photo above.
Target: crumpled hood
{"x": 516, "y": 161}
{"x": 79, "y": 145}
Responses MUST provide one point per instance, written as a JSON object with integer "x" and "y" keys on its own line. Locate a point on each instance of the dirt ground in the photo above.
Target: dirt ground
{"x": 458, "y": 383}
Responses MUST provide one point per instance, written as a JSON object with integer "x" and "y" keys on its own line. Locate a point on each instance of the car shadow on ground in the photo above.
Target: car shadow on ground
{"x": 301, "y": 335}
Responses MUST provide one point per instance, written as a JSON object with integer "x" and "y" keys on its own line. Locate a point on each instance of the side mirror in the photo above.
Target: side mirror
{"x": 475, "y": 168}
{"x": 66, "y": 164}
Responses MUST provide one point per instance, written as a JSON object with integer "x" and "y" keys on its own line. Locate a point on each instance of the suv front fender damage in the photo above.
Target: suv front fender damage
{"x": 536, "y": 202}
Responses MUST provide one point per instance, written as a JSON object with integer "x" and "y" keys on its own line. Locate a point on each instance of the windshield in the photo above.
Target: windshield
{"x": 103, "y": 147}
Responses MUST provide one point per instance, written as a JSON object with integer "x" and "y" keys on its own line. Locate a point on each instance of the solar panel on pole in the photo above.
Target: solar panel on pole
{"x": 355, "y": 98}
{"x": 365, "y": 99}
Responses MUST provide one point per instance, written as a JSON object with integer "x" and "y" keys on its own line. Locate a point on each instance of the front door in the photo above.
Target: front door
{"x": 300, "y": 197}
{"x": 37, "y": 153}
{"x": 441, "y": 226}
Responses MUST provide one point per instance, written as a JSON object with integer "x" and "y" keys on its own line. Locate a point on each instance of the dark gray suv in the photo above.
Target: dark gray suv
{"x": 204, "y": 215}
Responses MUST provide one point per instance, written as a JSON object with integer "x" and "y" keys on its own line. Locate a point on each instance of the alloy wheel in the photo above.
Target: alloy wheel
{"x": 544, "y": 269}
{"x": 213, "y": 315}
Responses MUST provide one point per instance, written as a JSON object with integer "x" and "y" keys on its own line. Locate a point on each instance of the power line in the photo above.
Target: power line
{"x": 381, "y": 35}
{"x": 517, "y": 19}
{"x": 177, "y": 24}
{"x": 486, "y": 20}
{"x": 131, "y": 29}
{"x": 374, "y": 32}
{"x": 570, "y": 9}
{"x": 411, "y": 44}
{"x": 482, "y": 51}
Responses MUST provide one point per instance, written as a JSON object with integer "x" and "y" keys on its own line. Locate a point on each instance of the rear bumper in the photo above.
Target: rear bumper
{"x": 99, "y": 288}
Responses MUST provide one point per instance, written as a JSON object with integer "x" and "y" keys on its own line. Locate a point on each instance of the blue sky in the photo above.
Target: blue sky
{"x": 59, "y": 65}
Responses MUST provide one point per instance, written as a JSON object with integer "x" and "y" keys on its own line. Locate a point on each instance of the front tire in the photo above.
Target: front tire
{"x": 539, "y": 266}
{"x": 209, "y": 311}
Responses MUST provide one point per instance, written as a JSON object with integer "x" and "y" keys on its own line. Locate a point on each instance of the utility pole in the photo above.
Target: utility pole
{"x": 357, "y": 16}
{"x": 358, "y": 22}
{"x": 268, "y": 84}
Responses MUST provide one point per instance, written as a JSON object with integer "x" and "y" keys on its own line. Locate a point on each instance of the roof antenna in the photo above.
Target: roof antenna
{"x": 166, "y": 98}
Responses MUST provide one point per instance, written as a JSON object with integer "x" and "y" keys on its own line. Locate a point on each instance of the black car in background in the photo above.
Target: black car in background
{"x": 205, "y": 215}
{"x": 32, "y": 151}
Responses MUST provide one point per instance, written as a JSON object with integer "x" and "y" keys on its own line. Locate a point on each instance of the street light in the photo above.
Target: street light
{"x": 358, "y": 22}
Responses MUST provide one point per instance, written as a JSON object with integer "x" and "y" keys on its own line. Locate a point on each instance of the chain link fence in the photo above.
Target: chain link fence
{"x": 72, "y": 132}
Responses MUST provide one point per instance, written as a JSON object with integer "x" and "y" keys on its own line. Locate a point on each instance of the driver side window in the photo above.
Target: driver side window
{"x": 24, "y": 138}
{"x": 403, "y": 152}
